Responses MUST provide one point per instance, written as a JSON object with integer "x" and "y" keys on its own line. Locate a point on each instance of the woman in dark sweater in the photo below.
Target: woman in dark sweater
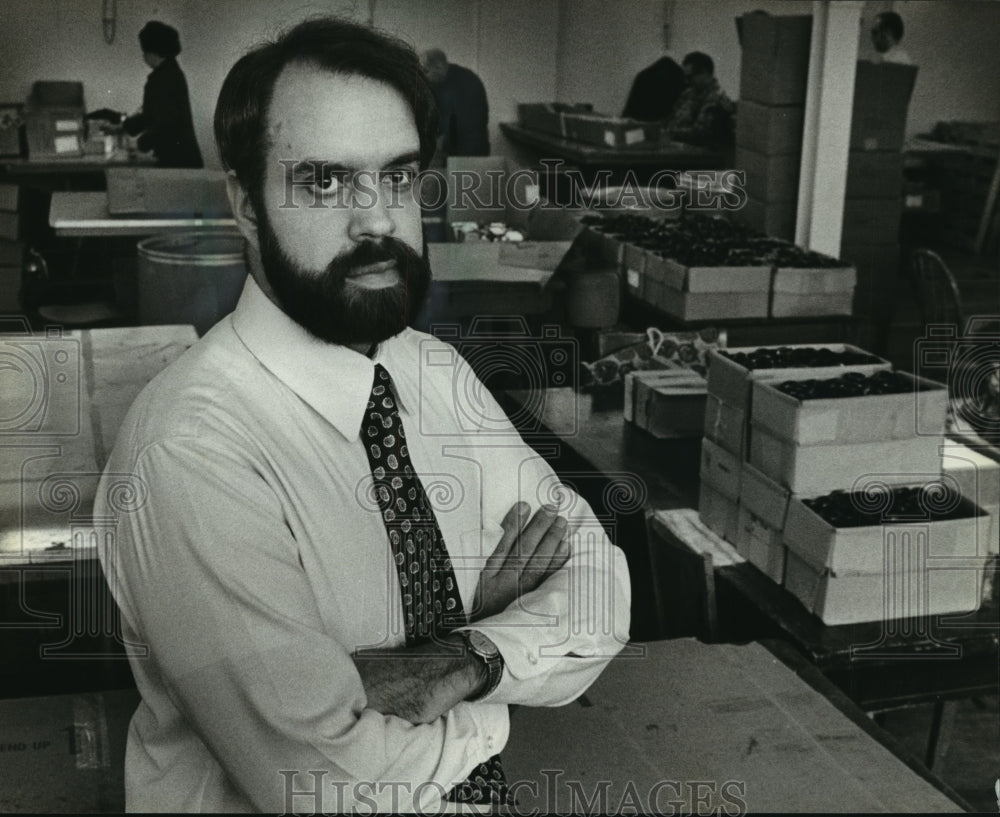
{"x": 165, "y": 125}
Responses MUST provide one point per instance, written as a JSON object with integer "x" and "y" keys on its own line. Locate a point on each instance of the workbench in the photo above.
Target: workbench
{"x": 85, "y": 215}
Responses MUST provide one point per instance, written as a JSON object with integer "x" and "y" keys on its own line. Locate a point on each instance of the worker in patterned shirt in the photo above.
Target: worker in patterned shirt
{"x": 704, "y": 115}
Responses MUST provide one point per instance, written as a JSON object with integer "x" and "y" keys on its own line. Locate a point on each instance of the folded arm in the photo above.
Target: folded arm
{"x": 208, "y": 576}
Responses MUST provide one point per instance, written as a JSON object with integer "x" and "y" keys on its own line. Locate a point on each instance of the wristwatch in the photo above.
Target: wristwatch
{"x": 486, "y": 651}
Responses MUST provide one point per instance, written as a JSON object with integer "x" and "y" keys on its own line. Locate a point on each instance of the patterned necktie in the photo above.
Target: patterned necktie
{"x": 431, "y": 603}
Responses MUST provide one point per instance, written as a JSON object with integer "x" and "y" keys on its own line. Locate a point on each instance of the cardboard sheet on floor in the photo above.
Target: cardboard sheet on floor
{"x": 702, "y": 728}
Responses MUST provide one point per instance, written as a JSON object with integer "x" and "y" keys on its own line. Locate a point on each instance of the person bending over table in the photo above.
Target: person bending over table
{"x": 703, "y": 115}
{"x": 165, "y": 125}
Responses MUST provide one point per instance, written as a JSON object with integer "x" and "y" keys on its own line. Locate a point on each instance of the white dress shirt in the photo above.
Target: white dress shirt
{"x": 257, "y": 562}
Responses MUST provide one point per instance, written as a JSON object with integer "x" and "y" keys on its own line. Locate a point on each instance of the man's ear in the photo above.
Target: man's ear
{"x": 242, "y": 207}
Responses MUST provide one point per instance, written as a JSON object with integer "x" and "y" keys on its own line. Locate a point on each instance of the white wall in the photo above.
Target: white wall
{"x": 524, "y": 50}
{"x": 957, "y": 47}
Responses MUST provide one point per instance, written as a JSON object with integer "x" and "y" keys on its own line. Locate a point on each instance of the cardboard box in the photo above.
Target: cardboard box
{"x": 863, "y": 549}
{"x": 775, "y": 61}
{"x": 482, "y": 261}
{"x": 634, "y": 264}
{"x": 868, "y": 418}
{"x": 548, "y": 117}
{"x": 760, "y": 544}
{"x": 977, "y": 477}
{"x": 763, "y": 497}
{"x": 881, "y": 101}
{"x": 823, "y": 291}
{"x": 607, "y": 249}
{"x": 54, "y": 120}
{"x": 776, "y": 219}
{"x": 871, "y": 221}
{"x": 876, "y": 174}
{"x": 668, "y": 403}
{"x": 769, "y": 179}
{"x": 855, "y": 598}
{"x": 763, "y": 507}
{"x": 720, "y": 513}
{"x": 65, "y": 753}
{"x": 814, "y": 469}
{"x": 682, "y": 278}
{"x": 733, "y": 383}
{"x": 610, "y": 131}
{"x": 721, "y": 469}
{"x": 769, "y": 129}
{"x": 797, "y": 305}
{"x": 719, "y": 491}
{"x": 705, "y": 306}
{"x": 725, "y": 425}
{"x": 814, "y": 281}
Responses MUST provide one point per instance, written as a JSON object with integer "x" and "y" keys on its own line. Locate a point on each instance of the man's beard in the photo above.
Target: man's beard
{"x": 325, "y": 305}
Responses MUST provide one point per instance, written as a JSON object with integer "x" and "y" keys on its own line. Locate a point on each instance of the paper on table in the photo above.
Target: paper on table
{"x": 67, "y": 144}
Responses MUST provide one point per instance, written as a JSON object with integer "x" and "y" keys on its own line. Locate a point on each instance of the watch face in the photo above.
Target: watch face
{"x": 482, "y": 645}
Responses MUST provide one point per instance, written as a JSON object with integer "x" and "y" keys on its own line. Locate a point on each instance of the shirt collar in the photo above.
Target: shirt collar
{"x": 335, "y": 380}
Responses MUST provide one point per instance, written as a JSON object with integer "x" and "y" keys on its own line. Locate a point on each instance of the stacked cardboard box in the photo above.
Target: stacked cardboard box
{"x": 785, "y": 451}
{"x": 873, "y": 203}
{"x": 54, "y": 120}
{"x": 773, "y": 74}
{"x": 727, "y": 442}
{"x": 11, "y": 247}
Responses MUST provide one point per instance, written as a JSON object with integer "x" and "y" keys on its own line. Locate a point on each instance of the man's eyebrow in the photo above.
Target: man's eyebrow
{"x": 311, "y": 165}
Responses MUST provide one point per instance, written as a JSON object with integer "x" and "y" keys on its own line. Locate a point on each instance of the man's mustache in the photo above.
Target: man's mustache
{"x": 373, "y": 252}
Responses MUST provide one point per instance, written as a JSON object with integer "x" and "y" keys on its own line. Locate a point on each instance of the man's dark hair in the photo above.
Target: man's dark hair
{"x": 160, "y": 39}
{"x": 892, "y": 23}
{"x": 338, "y": 46}
{"x": 700, "y": 62}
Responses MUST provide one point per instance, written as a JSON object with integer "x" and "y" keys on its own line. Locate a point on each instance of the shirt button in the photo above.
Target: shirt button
{"x": 489, "y": 742}
{"x": 532, "y": 658}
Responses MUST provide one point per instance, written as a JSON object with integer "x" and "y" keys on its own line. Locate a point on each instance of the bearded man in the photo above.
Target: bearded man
{"x": 341, "y": 566}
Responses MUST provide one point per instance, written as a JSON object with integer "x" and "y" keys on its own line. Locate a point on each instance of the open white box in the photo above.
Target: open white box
{"x": 797, "y": 292}
{"x": 867, "y": 418}
{"x": 725, "y": 425}
{"x": 731, "y": 382}
{"x": 811, "y": 470}
{"x": 868, "y": 548}
{"x": 718, "y": 498}
{"x": 978, "y": 478}
{"x": 760, "y": 535}
{"x": 887, "y": 594}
